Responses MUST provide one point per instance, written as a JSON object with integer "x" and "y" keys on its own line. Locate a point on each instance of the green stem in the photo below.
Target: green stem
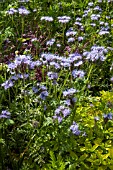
{"x": 86, "y": 81}
{"x": 22, "y": 25}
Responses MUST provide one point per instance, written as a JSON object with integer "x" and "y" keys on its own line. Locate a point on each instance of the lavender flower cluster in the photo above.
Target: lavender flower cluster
{"x": 41, "y": 90}
{"x": 22, "y": 11}
{"x": 61, "y": 112}
{"x": 75, "y": 129}
{"x": 5, "y": 114}
{"x": 96, "y": 53}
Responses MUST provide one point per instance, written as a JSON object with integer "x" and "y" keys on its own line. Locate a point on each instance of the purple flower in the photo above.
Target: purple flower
{"x": 58, "y": 45}
{"x": 59, "y": 119}
{"x": 75, "y": 129}
{"x": 66, "y": 112}
{"x": 95, "y": 16}
{"x": 50, "y": 42}
{"x": 22, "y": 76}
{"x": 48, "y": 57}
{"x": 11, "y": 11}
{"x": 57, "y": 111}
{"x": 14, "y": 77}
{"x": 90, "y": 4}
{"x": 71, "y": 39}
{"x": 96, "y": 53}
{"x": 65, "y": 64}
{"x": 97, "y": 8}
{"x": 103, "y": 32}
{"x": 43, "y": 95}
{"x": 67, "y": 102}
{"x": 78, "y": 19}
{"x": 63, "y": 19}
{"x": 93, "y": 24}
{"x": 11, "y": 66}
{"x": 69, "y": 92}
{"x": 23, "y": 11}
{"x": 78, "y": 73}
{"x": 101, "y": 22}
{"x": 78, "y": 23}
{"x": 56, "y": 65}
{"x": 61, "y": 112}
{"x": 22, "y": 59}
{"x": 74, "y": 56}
{"x": 7, "y": 84}
{"x": 79, "y": 63}
{"x": 111, "y": 79}
{"x": 33, "y": 64}
{"x": 96, "y": 118}
{"x": 52, "y": 75}
{"x": 74, "y": 99}
{"x": 35, "y": 90}
{"x": 110, "y": 115}
{"x": 80, "y": 38}
{"x": 34, "y": 40}
{"x": 5, "y": 114}
{"x": 70, "y": 32}
{"x": 47, "y": 18}
{"x": 42, "y": 87}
